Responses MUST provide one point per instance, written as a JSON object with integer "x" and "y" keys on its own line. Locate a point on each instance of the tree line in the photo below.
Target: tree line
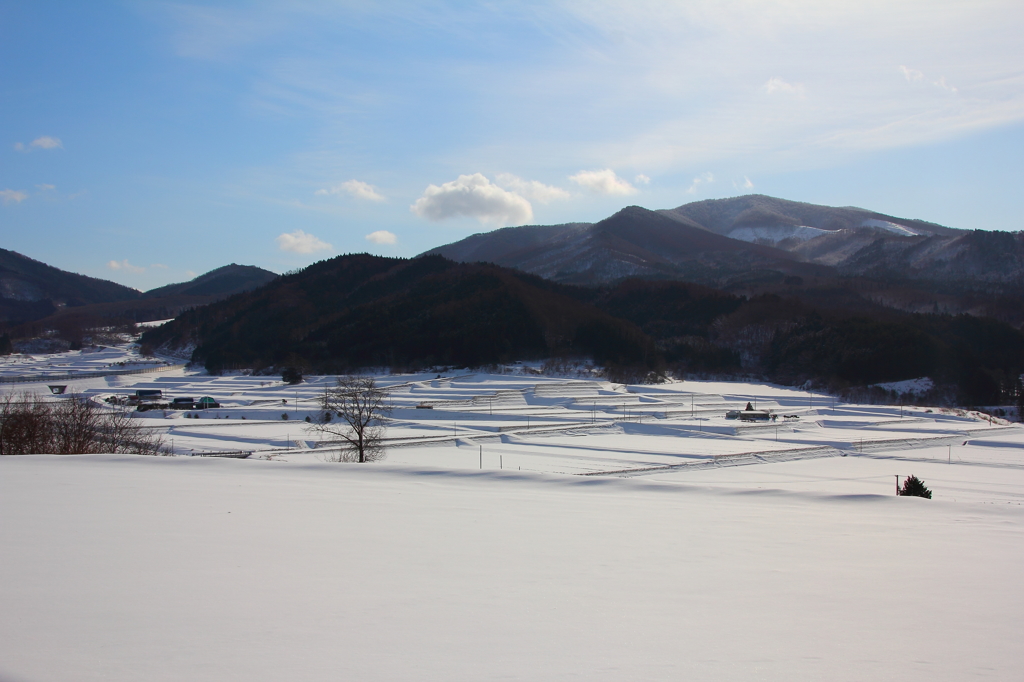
{"x": 74, "y": 425}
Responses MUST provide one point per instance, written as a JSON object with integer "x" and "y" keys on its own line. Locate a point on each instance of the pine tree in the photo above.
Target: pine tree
{"x": 914, "y": 487}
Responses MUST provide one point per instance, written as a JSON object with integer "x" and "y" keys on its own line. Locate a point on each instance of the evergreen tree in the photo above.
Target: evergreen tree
{"x": 914, "y": 487}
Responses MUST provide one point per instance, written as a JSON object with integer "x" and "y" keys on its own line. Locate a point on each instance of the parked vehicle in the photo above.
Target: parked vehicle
{"x": 182, "y": 404}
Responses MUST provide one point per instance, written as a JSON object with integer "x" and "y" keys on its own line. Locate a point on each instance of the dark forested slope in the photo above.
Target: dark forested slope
{"x": 30, "y": 289}
{"x": 362, "y": 310}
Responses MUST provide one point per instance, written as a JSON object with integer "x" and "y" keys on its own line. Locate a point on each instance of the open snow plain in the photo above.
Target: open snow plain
{"x": 523, "y": 527}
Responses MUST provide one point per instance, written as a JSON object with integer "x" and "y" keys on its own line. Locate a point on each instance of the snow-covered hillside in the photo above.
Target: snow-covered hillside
{"x": 524, "y": 527}
{"x": 774, "y": 234}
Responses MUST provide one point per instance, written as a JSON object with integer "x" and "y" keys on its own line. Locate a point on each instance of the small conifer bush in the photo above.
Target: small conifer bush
{"x": 914, "y": 487}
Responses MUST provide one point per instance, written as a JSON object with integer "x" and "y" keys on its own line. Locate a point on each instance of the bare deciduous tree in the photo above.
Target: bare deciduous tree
{"x": 354, "y": 412}
{"x": 72, "y": 426}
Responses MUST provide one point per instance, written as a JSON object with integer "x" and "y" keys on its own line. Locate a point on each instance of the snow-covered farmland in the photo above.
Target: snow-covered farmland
{"x": 522, "y": 527}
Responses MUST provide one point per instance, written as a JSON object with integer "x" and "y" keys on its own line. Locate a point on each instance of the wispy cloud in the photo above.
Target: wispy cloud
{"x": 532, "y": 190}
{"x": 776, "y": 85}
{"x": 44, "y": 142}
{"x": 12, "y": 196}
{"x": 705, "y": 178}
{"x": 46, "y": 188}
{"x": 771, "y": 87}
{"x": 642, "y": 179}
{"x": 356, "y": 188}
{"x": 301, "y": 242}
{"x": 382, "y": 237}
{"x": 473, "y": 196}
{"x": 915, "y": 76}
{"x": 125, "y": 266}
{"x": 603, "y": 182}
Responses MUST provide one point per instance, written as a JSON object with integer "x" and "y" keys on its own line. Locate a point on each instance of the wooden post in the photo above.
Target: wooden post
{"x": 897, "y": 484}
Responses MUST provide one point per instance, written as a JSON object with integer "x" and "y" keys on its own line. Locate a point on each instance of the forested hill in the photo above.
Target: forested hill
{"x": 30, "y": 289}
{"x": 361, "y": 310}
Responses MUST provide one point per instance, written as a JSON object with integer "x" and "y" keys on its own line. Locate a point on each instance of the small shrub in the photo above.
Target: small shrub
{"x": 914, "y": 487}
{"x": 308, "y": 419}
{"x": 291, "y": 375}
{"x": 284, "y": 416}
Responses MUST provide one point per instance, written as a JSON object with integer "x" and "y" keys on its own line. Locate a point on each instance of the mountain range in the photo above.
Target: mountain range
{"x": 788, "y": 291}
{"x": 32, "y": 291}
{"x": 722, "y": 241}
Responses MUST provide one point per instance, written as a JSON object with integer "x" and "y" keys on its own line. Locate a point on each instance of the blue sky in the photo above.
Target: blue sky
{"x": 146, "y": 142}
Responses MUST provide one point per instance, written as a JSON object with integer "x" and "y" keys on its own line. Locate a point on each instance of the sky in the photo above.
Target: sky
{"x": 148, "y": 142}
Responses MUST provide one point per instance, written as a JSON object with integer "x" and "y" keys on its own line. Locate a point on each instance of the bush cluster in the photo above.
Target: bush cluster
{"x": 73, "y": 426}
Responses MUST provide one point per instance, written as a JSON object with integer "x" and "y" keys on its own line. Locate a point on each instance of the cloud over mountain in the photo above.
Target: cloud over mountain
{"x": 301, "y": 242}
{"x": 356, "y": 188}
{"x": 382, "y": 237}
{"x": 473, "y": 196}
{"x": 603, "y": 182}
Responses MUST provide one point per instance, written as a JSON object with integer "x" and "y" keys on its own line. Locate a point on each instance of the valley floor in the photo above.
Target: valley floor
{"x": 523, "y": 528}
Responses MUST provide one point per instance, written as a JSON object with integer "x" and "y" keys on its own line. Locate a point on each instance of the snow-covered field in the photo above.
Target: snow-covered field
{"x": 88, "y": 361}
{"x": 525, "y": 527}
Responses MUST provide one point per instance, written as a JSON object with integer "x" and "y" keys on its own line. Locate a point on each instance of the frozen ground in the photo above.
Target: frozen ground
{"x": 523, "y": 528}
{"x": 88, "y": 361}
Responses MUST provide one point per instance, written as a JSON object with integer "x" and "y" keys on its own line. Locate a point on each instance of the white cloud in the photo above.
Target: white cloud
{"x": 747, "y": 184}
{"x": 300, "y": 242}
{"x": 912, "y": 75}
{"x": 603, "y": 182}
{"x": 125, "y": 266}
{"x": 915, "y": 76}
{"x": 382, "y": 237}
{"x": 12, "y": 196}
{"x": 703, "y": 179}
{"x": 44, "y": 142}
{"x": 532, "y": 190}
{"x": 778, "y": 85}
{"x": 47, "y": 142}
{"x": 357, "y": 188}
{"x": 944, "y": 85}
{"x": 473, "y": 196}
{"x": 190, "y": 274}
{"x": 159, "y": 266}
{"x": 46, "y": 188}
{"x": 642, "y": 179}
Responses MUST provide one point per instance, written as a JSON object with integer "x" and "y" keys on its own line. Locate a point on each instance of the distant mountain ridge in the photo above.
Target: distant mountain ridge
{"x": 730, "y": 242}
{"x": 635, "y": 242}
{"x": 725, "y": 216}
{"x": 223, "y": 281}
{"x": 31, "y": 290}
